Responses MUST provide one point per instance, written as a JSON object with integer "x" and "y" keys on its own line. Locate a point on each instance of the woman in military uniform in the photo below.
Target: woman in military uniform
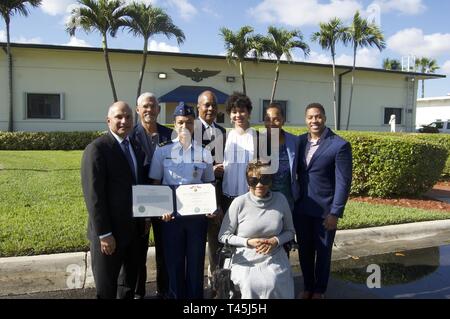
{"x": 180, "y": 162}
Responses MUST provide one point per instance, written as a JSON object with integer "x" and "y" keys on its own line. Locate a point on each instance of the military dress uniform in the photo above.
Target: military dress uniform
{"x": 184, "y": 237}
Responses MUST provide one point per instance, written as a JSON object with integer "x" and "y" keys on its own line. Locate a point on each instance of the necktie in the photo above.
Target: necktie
{"x": 127, "y": 153}
{"x": 211, "y": 134}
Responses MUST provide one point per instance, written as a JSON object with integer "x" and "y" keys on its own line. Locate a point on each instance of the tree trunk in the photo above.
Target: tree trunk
{"x": 10, "y": 80}
{"x": 423, "y": 89}
{"x": 334, "y": 91}
{"x": 141, "y": 74}
{"x": 241, "y": 71}
{"x": 108, "y": 67}
{"x": 275, "y": 82}
{"x": 351, "y": 89}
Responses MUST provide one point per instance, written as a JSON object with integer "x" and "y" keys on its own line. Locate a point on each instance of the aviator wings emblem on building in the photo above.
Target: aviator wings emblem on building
{"x": 196, "y": 74}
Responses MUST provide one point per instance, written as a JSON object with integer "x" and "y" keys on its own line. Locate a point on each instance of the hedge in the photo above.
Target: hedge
{"x": 31, "y": 141}
{"x": 441, "y": 139}
{"x": 389, "y": 166}
{"x": 385, "y": 164}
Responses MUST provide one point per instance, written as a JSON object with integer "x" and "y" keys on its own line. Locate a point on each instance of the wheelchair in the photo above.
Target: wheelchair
{"x": 221, "y": 277}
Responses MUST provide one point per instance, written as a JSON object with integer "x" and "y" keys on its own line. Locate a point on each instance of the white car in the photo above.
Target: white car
{"x": 436, "y": 127}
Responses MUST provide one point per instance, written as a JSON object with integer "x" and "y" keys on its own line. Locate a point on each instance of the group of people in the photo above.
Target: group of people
{"x": 271, "y": 187}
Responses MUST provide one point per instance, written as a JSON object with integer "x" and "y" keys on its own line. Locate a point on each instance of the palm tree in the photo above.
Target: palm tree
{"x": 104, "y": 16}
{"x": 238, "y": 46}
{"x": 146, "y": 21}
{"x": 7, "y": 9}
{"x": 279, "y": 42}
{"x": 426, "y": 65}
{"x": 392, "y": 64}
{"x": 329, "y": 35}
{"x": 362, "y": 34}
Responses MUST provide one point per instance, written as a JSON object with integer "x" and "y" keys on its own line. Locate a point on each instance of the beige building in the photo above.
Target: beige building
{"x": 58, "y": 88}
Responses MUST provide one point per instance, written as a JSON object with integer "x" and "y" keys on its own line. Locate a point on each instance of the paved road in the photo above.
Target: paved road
{"x": 338, "y": 289}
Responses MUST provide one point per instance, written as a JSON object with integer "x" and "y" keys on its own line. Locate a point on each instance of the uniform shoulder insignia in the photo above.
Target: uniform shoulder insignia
{"x": 165, "y": 143}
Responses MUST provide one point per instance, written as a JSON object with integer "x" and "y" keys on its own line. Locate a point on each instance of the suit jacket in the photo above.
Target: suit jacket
{"x": 325, "y": 183}
{"x": 207, "y": 141}
{"x": 141, "y": 139}
{"x": 107, "y": 181}
{"x": 292, "y": 143}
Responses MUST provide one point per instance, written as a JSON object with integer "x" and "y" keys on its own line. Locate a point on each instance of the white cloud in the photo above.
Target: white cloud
{"x": 74, "y": 41}
{"x": 21, "y": 39}
{"x": 315, "y": 57}
{"x": 414, "y": 41}
{"x": 446, "y": 67}
{"x": 305, "y": 12}
{"x": 55, "y": 7}
{"x": 410, "y": 7}
{"x": 36, "y": 40}
{"x": 143, "y": 1}
{"x": 162, "y": 46}
{"x": 365, "y": 57}
{"x": 210, "y": 12}
{"x": 185, "y": 8}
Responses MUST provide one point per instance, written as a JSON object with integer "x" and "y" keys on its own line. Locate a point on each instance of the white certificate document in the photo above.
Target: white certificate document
{"x": 196, "y": 199}
{"x": 152, "y": 200}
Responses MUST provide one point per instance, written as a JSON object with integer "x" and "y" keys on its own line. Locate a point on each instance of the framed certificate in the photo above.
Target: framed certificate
{"x": 156, "y": 200}
{"x": 196, "y": 199}
{"x": 152, "y": 200}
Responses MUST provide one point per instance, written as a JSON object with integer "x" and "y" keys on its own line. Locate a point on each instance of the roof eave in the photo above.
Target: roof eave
{"x": 420, "y": 76}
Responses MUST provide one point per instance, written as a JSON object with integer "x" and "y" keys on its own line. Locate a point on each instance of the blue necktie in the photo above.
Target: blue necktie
{"x": 127, "y": 153}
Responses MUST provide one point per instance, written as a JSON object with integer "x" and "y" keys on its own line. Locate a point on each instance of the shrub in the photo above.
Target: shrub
{"x": 441, "y": 139}
{"x": 390, "y": 165}
{"x": 46, "y": 140}
{"x": 387, "y": 166}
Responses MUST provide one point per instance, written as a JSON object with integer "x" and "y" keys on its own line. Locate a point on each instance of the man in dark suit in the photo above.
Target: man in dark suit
{"x": 111, "y": 164}
{"x": 213, "y": 137}
{"x": 147, "y": 134}
{"x": 325, "y": 175}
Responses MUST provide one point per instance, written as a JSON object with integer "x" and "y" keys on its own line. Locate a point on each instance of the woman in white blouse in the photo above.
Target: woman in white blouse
{"x": 240, "y": 148}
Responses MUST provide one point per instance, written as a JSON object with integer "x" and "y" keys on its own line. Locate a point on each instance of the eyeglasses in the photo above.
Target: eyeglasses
{"x": 263, "y": 179}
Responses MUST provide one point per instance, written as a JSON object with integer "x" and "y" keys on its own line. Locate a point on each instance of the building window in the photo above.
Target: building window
{"x": 44, "y": 106}
{"x": 283, "y": 105}
{"x": 388, "y": 111}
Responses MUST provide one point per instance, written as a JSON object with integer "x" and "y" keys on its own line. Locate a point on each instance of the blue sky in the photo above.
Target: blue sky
{"x": 418, "y": 27}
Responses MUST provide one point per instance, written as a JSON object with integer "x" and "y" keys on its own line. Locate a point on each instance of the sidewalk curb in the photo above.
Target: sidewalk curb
{"x": 383, "y": 234}
{"x": 29, "y": 274}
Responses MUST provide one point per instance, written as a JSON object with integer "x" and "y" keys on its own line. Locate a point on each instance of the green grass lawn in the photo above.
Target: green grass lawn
{"x": 42, "y": 209}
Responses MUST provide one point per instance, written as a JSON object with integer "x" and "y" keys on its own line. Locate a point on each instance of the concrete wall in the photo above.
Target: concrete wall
{"x": 430, "y": 110}
{"x": 82, "y": 78}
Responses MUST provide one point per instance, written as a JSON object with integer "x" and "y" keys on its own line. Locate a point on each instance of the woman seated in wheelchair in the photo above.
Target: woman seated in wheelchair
{"x": 257, "y": 224}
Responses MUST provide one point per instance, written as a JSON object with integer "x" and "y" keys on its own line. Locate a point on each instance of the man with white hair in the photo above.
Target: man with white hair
{"x": 147, "y": 134}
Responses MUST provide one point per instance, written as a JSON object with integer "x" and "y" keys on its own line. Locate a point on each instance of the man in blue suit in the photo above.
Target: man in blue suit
{"x": 325, "y": 175}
